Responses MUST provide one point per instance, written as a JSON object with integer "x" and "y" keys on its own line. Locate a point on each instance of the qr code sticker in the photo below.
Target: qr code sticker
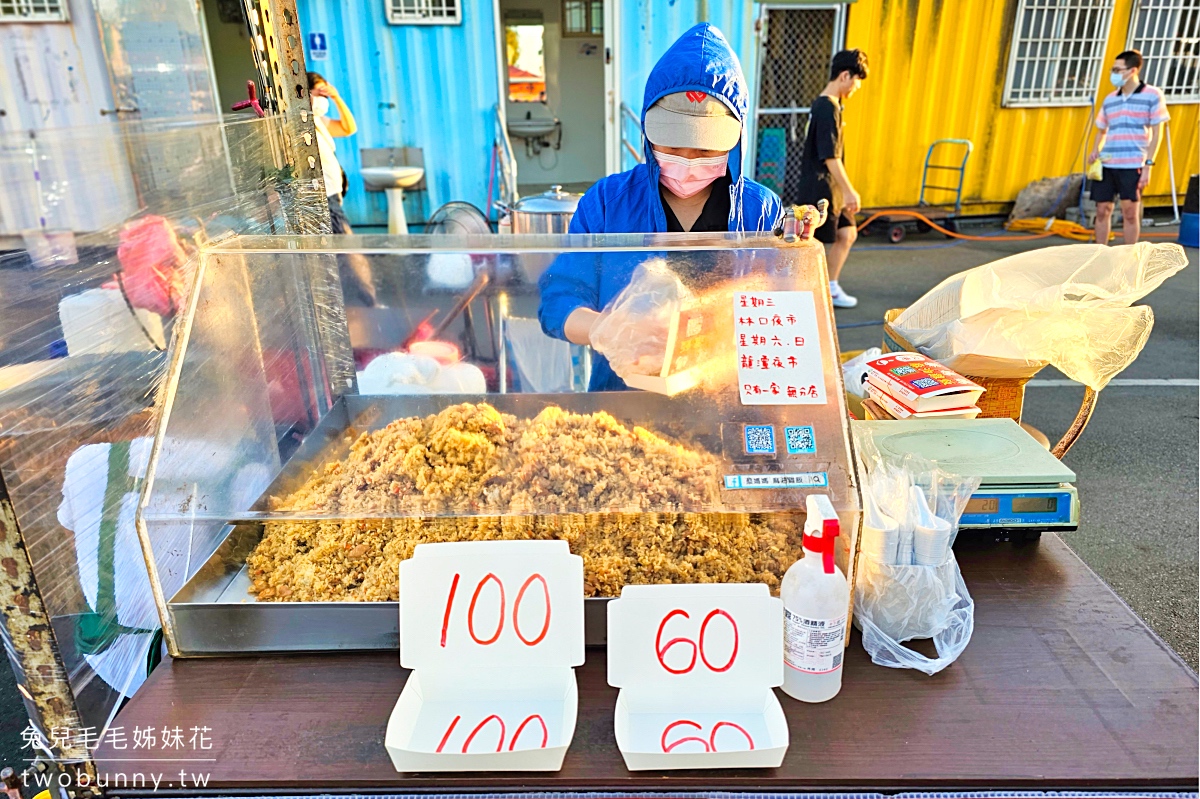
{"x": 902, "y": 370}
{"x": 925, "y": 382}
{"x": 800, "y": 440}
{"x": 760, "y": 439}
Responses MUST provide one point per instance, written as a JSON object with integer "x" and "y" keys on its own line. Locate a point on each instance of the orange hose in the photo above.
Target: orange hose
{"x": 950, "y": 233}
{"x": 1083, "y": 234}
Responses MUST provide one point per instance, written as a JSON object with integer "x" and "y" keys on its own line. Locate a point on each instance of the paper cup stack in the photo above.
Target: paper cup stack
{"x": 931, "y": 535}
{"x": 880, "y": 533}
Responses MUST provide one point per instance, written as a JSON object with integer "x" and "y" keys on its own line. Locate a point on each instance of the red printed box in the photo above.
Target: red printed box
{"x": 922, "y": 384}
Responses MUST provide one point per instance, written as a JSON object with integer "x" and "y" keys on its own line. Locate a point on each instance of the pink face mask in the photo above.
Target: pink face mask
{"x": 688, "y": 176}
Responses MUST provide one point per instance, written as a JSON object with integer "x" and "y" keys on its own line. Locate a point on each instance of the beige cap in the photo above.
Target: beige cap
{"x": 692, "y": 119}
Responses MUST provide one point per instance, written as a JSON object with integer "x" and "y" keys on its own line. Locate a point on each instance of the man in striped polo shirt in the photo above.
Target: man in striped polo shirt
{"x": 1131, "y": 122}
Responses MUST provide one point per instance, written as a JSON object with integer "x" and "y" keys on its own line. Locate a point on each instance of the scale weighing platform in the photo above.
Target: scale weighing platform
{"x": 1024, "y": 488}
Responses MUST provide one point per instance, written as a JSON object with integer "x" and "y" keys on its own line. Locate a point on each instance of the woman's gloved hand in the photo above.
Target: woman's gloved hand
{"x": 632, "y": 331}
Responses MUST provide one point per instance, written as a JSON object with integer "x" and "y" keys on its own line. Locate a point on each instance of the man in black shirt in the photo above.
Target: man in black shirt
{"x": 823, "y": 170}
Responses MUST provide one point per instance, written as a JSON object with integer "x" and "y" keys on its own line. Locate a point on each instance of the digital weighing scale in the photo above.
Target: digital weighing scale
{"x": 1024, "y": 488}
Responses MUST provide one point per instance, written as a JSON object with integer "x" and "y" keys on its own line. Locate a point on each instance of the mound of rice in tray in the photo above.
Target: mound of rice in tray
{"x": 520, "y": 479}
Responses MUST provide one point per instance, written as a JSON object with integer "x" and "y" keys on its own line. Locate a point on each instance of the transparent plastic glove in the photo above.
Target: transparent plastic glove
{"x": 632, "y": 331}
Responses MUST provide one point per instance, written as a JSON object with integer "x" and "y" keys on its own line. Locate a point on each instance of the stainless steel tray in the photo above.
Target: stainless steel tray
{"x": 215, "y": 614}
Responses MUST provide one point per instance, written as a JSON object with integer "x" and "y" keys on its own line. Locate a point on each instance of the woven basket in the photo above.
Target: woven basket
{"x": 1004, "y": 397}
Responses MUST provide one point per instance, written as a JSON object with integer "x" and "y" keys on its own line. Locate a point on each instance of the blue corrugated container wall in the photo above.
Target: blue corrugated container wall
{"x": 428, "y": 86}
{"x": 649, "y": 27}
{"x": 435, "y": 86}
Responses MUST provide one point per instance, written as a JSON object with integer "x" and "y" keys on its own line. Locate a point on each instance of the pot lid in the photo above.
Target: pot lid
{"x": 555, "y": 201}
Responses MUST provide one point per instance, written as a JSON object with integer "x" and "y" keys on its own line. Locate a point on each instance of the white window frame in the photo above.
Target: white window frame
{"x": 422, "y": 12}
{"x": 22, "y": 11}
{"x": 589, "y": 7}
{"x": 1157, "y": 29}
{"x": 1055, "y": 40}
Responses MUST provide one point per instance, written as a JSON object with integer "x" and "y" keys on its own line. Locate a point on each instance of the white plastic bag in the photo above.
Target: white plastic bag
{"x": 901, "y": 594}
{"x": 1067, "y": 306}
{"x": 854, "y": 371}
{"x": 543, "y": 363}
{"x": 632, "y": 331}
{"x": 914, "y": 602}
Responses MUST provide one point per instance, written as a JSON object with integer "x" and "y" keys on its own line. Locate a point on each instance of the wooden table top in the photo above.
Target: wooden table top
{"x": 1061, "y": 688}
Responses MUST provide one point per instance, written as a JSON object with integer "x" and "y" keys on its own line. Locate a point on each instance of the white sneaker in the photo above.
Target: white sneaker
{"x": 840, "y": 298}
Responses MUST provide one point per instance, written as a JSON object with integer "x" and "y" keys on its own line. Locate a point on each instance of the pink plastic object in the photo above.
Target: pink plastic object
{"x": 150, "y": 258}
{"x": 252, "y": 93}
{"x": 443, "y": 352}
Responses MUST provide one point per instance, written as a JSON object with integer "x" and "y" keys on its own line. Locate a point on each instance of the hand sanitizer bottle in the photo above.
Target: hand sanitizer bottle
{"x": 816, "y": 601}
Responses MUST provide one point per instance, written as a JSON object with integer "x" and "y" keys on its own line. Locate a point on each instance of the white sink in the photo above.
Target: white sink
{"x": 393, "y": 180}
{"x": 381, "y": 178}
{"x": 532, "y": 128}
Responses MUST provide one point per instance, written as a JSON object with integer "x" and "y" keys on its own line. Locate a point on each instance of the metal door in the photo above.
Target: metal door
{"x": 794, "y": 48}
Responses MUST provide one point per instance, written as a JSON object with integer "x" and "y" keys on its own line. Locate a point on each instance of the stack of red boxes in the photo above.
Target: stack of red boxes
{"x": 908, "y": 385}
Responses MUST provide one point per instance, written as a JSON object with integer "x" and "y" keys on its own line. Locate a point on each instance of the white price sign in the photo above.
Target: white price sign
{"x": 696, "y": 664}
{"x": 778, "y": 349}
{"x": 491, "y": 630}
{"x": 510, "y": 603}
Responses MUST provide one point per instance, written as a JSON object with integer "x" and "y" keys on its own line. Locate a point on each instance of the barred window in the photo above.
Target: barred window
{"x": 33, "y": 11}
{"x": 1057, "y": 55}
{"x": 583, "y": 18}
{"x": 422, "y": 12}
{"x": 1167, "y": 32}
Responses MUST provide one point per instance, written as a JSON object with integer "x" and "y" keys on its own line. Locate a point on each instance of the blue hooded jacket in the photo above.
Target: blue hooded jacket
{"x": 629, "y": 202}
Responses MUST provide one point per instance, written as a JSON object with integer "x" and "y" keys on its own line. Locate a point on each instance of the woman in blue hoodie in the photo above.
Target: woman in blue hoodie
{"x": 693, "y": 118}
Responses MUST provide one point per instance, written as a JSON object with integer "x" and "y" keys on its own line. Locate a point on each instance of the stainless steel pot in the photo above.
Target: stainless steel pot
{"x": 549, "y": 212}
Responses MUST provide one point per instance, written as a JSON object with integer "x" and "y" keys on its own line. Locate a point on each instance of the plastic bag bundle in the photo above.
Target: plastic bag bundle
{"x": 632, "y": 331}
{"x": 1068, "y": 306}
{"x": 909, "y": 585}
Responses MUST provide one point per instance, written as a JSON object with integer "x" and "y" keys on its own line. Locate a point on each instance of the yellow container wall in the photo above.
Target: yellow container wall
{"x": 937, "y": 72}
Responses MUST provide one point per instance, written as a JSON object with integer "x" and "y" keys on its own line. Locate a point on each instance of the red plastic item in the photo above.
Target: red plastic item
{"x": 151, "y": 258}
{"x": 824, "y": 543}
{"x": 252, "y": 102}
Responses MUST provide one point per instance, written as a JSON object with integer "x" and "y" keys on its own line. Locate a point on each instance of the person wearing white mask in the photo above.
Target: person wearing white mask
{"x": 1131, "y": 126}
{"x": 325, "y": 95}
{"x": 692, "y": 181}
{"x": 356, "y": 281}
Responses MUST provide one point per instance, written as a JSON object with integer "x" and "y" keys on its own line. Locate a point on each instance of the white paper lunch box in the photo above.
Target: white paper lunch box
{"x": 492, "y": 631}
{"x": 696, "y": 665}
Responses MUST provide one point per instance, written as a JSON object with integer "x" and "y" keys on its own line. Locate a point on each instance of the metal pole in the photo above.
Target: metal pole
{"x": 502, "y": 354}
{"x": 33, "y": 650}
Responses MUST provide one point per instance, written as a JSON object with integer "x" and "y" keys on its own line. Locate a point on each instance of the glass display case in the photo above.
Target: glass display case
{"x": 334, "y": 401}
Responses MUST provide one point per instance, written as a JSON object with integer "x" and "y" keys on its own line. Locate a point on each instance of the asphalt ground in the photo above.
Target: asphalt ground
{"x": 1136, "y": 463}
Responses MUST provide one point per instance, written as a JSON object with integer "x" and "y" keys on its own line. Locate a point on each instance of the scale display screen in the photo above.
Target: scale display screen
{"x": 1035, "y": 504}
{"x": 1003, "y": 509}
{"x": 982, "y": 505}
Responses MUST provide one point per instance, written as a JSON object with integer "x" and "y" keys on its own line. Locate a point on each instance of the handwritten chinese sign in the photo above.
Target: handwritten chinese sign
{"x": 778, "y": 351}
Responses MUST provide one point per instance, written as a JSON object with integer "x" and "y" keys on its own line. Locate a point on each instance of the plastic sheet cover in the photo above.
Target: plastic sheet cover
{"x": 1071, "y": 306}
{"x": 100, "y": 229}
{"x": 300, "y": 461}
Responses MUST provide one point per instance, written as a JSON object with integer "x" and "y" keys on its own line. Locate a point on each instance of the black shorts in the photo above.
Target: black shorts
{"x": 827, "y": 233}
{"x": 1117, "y": 181}
{"x": 337, "y": 215}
